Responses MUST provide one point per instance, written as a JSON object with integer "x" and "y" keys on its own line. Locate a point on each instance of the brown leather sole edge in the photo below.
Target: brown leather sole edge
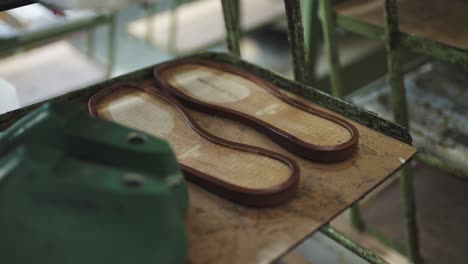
{"x": 245, "y": 196}
{"x": 291, "y": 143}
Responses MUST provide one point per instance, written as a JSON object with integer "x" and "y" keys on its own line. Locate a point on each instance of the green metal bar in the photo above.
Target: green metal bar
{"x": 355, "y": 218}
{"x": 331, "y": 46}
{"x": 414, "y": 43}
{"x": 90, "y": 42}
{"x": 409, "y": 212}
{"x": 51, "y": 33}
{"x": 112, "y": 41}
{"x": 329, "y": 38}
{"x": 398, "y": 96}
{"x": 436, "y": 50}
{"x": 352, "y": 246}
{"x": 231, "y": 12}
{"x": 312, "y": 37}
{"x": 360, "y": 27}
{"x": 296, "y": 39}
{"x": 394, "y": 53}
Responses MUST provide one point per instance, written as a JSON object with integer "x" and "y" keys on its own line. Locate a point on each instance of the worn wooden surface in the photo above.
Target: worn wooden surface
{"x": 223, "y": 232}
{"x": 200, "y": 23}
{"x": 437, "y": 20}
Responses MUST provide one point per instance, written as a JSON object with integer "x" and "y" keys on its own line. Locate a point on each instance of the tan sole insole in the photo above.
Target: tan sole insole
{"x": 143, "y": 111}
{"x": 225, "y": 89}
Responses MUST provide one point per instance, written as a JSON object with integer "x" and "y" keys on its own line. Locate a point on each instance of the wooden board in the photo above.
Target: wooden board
{"x": 223, "y": 232}
{"x": 200, "y": 23}
{"x": 442, "y": 21}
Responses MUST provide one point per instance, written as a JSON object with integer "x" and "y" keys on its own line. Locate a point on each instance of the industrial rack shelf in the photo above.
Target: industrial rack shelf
{"x": 301, "y": 61}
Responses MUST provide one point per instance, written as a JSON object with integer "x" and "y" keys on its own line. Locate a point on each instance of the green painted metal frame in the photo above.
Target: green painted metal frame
{"x": 394, "y": 44}
{"x": 296, "y": 39}
{"x": 231, "y": 12}
{"x": 311, "y": 24}
{"x": 50, "y": 33}
{"x": 399, "y": 104}
{"x": 352, "y": 246}
{"x": 410, "y": 42}
{"x": 57, "y": 31}
{"x": 331, "y": 46}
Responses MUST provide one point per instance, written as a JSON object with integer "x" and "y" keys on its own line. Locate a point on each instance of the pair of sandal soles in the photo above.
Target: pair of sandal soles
{"x": 245, "y": 174}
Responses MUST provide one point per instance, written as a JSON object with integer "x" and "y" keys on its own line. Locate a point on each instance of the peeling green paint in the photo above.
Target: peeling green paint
{"x": 352, "y": 246}
{"x": 330, "y": 42}
{"x": 231, "y": 12}
{"x": 296, "y": 39}
{"x": 399, "y": 104}
{"x": 435, "y": 49}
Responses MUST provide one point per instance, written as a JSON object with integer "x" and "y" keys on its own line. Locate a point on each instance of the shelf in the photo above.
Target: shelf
{"x": 221, "y": 231}
{"x": 438, "y": 21}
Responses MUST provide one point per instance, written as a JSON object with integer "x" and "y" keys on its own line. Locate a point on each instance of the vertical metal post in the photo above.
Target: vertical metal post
{"x": 231, "y": 12}
{"x": 398, "y": 96}
{"x": 296, "y": 39}
{"x": 394, "y": 52}
{"x": 112, "y": 41}
{"x": 356, "y": 219}
{"x": 311, "y": 35}
{"x": 329, "y": 38}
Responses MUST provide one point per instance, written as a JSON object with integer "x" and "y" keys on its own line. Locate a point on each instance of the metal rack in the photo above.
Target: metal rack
{"x": 386, "y": 26}
{"x": 302, "y": 65}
